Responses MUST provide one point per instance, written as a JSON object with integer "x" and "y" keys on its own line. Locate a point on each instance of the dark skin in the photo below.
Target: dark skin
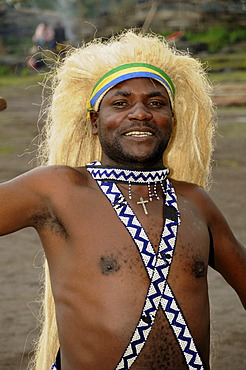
{"x": 98, "y": 279}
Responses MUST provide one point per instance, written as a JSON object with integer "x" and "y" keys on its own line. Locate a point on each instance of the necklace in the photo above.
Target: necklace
{"x": 142, "y": 200}
{"x": 131, "y": 177}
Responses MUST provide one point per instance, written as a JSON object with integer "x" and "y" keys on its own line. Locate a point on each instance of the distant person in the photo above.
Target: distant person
{"x": 44, "y": 36}
{"x": 59, "y": 37}
{"x": 59, "y": 33}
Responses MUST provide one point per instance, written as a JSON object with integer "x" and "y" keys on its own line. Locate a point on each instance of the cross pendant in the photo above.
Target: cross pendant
{"x": 142, "y": 202}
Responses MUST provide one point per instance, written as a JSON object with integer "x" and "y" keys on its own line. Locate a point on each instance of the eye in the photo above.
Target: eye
{"x": 157, "y": 103}
{"x": 120, "y": 103}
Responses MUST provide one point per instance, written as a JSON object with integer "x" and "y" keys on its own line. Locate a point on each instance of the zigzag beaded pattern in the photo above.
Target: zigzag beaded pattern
{"x": 158, "y": 267}
{"x": 125, "y": 175}
{"x": 181, "y": 331}
{"x": 154, "y": 268}
{"x": 153, "y": 300}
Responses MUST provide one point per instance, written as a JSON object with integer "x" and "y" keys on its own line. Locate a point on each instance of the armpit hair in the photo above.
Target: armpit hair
{"x": 45, "y": 220}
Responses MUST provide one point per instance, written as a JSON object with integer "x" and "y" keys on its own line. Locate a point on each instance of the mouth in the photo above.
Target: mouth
{"x": 139, "y": 134}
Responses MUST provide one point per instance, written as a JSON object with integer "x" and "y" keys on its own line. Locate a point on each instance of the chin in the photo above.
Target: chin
{"x": 134, "y": 157}
{"x": 138, "y": 161}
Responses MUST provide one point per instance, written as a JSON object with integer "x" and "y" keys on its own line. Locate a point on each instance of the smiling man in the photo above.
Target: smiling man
{"x": 127, "y": 228}
{"x": 145, "y": 103}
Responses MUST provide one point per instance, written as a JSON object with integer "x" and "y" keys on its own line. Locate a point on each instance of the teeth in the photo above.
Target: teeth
{"x": 139, "y": 133}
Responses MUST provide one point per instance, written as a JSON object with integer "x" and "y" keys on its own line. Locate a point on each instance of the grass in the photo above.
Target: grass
{"x": 6, "y": 150}
{"x": 12, "y": 80}
{"x": 236, "y": 76}
{"x": 217, "y": 37}
{"x": 221, "y": 61}
{"x": 226, "y": 67}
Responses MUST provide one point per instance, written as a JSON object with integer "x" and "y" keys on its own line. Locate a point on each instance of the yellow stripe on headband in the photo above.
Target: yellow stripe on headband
{"x": 126, "y": 72}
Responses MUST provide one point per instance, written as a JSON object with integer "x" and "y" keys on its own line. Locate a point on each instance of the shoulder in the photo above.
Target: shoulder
{"x": 47, "y": 178}
{"x": 189, "y": 190}
{"x": 199, "y": 198}
{"x": 57, "y": 172}
{"x": 33, "y": 193}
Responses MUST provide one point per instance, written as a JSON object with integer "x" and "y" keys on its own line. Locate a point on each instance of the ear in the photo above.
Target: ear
{"x": 174, "y": 120}
{"x": 94, "y": 122}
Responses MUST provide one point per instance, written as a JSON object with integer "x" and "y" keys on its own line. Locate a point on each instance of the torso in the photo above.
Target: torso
{"x": 99, "y": 281}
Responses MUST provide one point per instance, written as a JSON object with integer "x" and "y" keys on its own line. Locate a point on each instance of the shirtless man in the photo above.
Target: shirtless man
{"x": 128, "y": 247}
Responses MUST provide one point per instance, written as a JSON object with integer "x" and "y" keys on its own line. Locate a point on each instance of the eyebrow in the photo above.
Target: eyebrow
{"x": 122, "y": 93}
{"x": 128, "y": 93}
{"x": 156, "y": 93}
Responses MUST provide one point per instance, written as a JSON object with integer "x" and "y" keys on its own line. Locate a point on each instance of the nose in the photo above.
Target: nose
{"x": 140, "y": 112}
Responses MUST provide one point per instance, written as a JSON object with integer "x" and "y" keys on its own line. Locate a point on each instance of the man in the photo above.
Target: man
{"x": 127, "y": 245}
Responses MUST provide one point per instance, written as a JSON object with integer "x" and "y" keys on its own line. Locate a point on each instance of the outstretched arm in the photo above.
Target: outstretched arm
{"x": 20, "y": 199}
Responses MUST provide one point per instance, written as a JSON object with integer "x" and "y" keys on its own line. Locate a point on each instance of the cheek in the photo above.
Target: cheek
{"x": 165, "y": 123}
{"x": 109, "y": 123}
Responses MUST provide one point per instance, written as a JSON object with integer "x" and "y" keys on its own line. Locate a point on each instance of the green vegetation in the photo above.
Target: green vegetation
{"x": 217, "y": 37}
{"x": 6, "y": 150}
{"x": 236, "y": 61}
{"x": 226, "y": 67}
{"x": 87, "y": 8}
{"x": 6, "y": 71}
{"x": 16, "y": 45}
{"x": 228, "y": 77}
{"x": 11, "y": 80}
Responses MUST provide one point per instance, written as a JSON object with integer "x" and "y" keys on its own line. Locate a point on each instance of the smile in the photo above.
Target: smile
{"x": 139, "y": 134}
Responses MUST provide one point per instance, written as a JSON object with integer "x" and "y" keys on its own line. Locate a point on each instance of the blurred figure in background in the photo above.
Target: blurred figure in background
{"x": 44, "y": 36}
{"x": 59, "y": 34}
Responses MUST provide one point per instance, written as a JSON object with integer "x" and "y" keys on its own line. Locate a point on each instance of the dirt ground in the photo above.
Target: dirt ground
{"x": 21, "y": 255}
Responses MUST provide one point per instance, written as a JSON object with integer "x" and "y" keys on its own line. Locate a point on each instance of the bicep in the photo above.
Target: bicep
{"x": 19, "y": 199}
{"x": 229, "y": 253}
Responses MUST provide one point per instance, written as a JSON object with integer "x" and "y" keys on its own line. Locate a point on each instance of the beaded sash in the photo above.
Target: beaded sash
{"x": 157, "y": 266}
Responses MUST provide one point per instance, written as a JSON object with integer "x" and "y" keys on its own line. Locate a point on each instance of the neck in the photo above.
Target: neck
{"x": 133, "y": 165}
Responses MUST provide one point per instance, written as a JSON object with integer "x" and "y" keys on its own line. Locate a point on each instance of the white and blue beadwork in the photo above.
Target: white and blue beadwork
{"x": 157, "y": 266}
{"x": 108, "y": 173}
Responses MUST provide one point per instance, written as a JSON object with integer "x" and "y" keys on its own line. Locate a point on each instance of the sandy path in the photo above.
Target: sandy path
{"x": 20, "y": 252}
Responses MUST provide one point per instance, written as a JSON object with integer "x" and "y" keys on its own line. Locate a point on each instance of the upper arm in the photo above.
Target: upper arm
{"x": 229, "y": 253}
{"x": 20, "y": 199}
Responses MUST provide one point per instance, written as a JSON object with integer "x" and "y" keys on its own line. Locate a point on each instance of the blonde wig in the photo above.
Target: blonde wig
{"x": 67, "y": 133}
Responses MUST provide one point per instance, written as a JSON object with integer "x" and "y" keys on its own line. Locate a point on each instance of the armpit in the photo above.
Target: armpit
{"x": 45, "y": 220}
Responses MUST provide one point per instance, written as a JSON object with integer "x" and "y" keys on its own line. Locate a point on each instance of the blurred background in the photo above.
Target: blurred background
{"x": 205, "y": 27}
{"x": 32, "y": 35}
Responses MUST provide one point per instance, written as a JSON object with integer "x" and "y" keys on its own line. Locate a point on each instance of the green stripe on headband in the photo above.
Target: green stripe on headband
{"x": 126, "y": 72}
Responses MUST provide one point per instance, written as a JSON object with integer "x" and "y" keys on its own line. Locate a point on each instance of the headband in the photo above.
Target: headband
{"x": 126, "y": 72}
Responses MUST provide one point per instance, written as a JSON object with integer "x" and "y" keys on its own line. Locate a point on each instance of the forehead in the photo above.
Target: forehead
{"x": 138, "y": 85}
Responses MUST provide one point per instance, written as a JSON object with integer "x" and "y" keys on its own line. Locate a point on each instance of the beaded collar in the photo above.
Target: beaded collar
{"x": 127, "y": 175}
{"x": 131, "y": 177}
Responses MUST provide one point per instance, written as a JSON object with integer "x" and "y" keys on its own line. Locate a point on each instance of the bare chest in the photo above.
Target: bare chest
{"x": 98, "y": 239}
{"x": 101, "y": 274}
